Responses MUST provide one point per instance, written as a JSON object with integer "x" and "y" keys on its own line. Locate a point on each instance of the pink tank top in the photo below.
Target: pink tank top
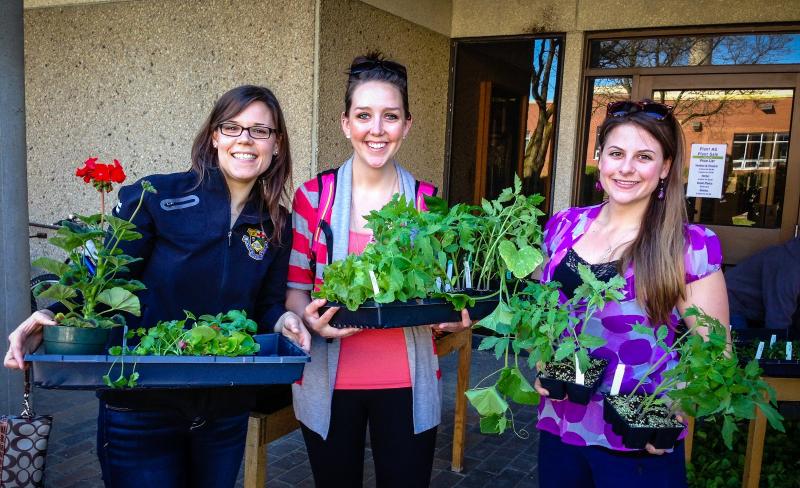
{"x": 373, "y": 359}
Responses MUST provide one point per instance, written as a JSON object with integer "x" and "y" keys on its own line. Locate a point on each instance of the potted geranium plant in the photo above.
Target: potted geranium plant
{"x": 706, "y": 381}
{"x": 92, "y": 293}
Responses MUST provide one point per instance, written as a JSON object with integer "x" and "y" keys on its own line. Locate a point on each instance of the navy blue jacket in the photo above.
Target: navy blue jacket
{"x": 192, "y": 259}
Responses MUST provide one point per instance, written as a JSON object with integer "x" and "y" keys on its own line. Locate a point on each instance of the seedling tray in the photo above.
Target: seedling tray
{"x": 372, "y": 315}
{"x": 780, "y": 368}
{"x": 560, "y": 389}
{"x": 635, "y": 437}
{"x": 278, "y": 362}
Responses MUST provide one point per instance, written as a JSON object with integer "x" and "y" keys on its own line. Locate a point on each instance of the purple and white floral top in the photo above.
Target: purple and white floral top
{"x": 583, "y": 425}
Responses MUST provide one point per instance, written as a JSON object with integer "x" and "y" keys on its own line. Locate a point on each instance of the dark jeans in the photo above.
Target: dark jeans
{"x": 402, "y": 459}
{"x": 567, "y": 466}
{"x": 167, "y": 450}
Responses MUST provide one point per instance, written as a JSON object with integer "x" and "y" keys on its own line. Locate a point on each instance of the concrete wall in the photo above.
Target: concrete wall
{"x": 349, "y": 28}
{"x": 435, "y": 15}
{"x": 489, "y": 18}
{"x": 134, "y": 81}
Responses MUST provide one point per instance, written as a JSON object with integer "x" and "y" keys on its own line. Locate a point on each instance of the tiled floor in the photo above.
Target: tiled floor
{"x": 499, "y": 462}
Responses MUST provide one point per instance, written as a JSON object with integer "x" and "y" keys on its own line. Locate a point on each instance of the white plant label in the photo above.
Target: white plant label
{"x": 618, "y": 374}
{"x": 447, "y": 286}
{"x": 788, "y": 350}
{"x": 579, "y": 378}
{"x": 374, "y": 281}
{"x": 467, "y": 275}
{"x": 438, "y": 283}
{"x": 772, "y": 340}
{"x": 760, "y": 350}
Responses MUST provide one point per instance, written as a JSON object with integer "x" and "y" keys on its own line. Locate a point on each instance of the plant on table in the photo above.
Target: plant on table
{"x": 225, "y": 334}
{"x": 94, "y": 292}
{"x": 706, "y": 381}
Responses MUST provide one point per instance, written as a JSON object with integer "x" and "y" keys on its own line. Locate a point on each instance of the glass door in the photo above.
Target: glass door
{"x": 748, "y": 118}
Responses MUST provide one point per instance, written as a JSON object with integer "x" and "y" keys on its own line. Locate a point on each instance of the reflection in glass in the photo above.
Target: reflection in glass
{"x": 754, "y": 124}
{"x": 734, "y": 49}
{"x": 504, "y": 110}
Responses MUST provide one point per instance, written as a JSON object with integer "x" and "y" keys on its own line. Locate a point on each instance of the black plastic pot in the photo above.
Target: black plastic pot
{"x": 60, "y": 339}
{"x": 636, "y": 437}
{"x": 371, "y": 315}
{"x": 580, "y": 394}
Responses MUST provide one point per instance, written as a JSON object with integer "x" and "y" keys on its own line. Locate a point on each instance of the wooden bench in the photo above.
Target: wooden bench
{"x": 265, "y": 428}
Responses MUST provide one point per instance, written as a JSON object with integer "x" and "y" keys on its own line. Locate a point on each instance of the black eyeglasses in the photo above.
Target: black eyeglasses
{"x": 655, "y": 110}
{"x": 256, "y": 132}
{"x": 390, "y": 66}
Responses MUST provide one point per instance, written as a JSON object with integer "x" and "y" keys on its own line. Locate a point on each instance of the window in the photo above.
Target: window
{"x": 760, "y": 150}
{"x": 720, "y": 49}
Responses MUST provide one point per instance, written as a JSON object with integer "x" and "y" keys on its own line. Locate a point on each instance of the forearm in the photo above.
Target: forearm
{"x": 297, "y": 300}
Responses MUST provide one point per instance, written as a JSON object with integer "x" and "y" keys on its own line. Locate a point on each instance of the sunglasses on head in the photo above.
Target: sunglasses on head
{"x": 657, "y": 111}
{"x": 390, "y": 66}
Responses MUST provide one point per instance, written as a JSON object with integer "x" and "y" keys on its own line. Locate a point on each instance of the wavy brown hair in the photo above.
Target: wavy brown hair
{"x": 271, "y": 187}
{"x": 657, "y": 251}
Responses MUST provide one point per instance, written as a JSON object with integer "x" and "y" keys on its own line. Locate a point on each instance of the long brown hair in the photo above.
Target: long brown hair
{"x": 271, "y": 186}
{"x": 657, "y": 251}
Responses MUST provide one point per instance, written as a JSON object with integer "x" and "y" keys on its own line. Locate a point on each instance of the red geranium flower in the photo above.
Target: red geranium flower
{"x": 101, "y": 173}
{"x": 87, "y": 172}
{"x": 117, "y": 173}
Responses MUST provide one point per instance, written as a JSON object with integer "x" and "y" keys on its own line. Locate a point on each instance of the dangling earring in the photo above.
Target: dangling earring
{"x": 214, "y": 144}
{"x": 598, "y": 186}
{"x": 661, "y": 187}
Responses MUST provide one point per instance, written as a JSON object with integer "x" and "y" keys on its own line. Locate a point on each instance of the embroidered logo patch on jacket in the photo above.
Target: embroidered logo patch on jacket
{"x": 256, "y": 243}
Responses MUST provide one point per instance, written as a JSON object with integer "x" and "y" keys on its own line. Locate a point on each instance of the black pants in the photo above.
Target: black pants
{"x": 402, "y": 458}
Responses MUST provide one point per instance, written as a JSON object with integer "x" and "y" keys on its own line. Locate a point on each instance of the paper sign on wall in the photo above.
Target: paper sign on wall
{"x": 706, "y": 170}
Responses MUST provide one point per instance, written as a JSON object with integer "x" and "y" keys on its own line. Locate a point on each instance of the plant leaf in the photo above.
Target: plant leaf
{"x": 120, "y": 299}
{"x": 487, "y": 401}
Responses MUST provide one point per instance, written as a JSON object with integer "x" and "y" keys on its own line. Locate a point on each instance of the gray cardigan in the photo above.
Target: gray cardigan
{"x": 312, "y": 398}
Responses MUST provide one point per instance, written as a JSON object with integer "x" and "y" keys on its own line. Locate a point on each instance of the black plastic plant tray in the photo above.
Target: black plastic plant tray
{"x": 371, "y": 315}
{"x": 780, "y": 368}
{"x": 278, "y": 362}
{"x": 560, "y": 389}
{"x": 638, "y": 437}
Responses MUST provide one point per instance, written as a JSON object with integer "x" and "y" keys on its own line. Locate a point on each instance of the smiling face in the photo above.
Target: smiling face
{"x": 376, "y": 123}
{"x": 631, "y": 164}
{"x": 242, "y": 159}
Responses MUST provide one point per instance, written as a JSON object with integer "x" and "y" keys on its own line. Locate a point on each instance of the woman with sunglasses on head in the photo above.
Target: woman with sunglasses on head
{"x": 386, "y": 379}
{"x": 641, "y": 232}
{"x": 215, "y": 238}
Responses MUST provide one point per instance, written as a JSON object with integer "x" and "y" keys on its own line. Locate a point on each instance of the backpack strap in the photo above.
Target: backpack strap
{"x": 421, "y": 190}
{"x": 326, "y": 184}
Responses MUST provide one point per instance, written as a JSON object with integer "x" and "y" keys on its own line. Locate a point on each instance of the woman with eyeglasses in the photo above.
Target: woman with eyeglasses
{"x": 215, "y": 238}
{"x": 641, "y": 232}
{"x": 387, "y": 379}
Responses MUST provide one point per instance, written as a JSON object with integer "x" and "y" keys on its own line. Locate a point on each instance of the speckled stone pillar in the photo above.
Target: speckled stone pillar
{"x": 14, "y": 267}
